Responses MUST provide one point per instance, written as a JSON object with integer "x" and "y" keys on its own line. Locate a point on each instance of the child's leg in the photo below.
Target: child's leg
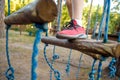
{"x": 77, "y": 9}
{"x": 74, "y": 29}
{"x": 69, "y": 6}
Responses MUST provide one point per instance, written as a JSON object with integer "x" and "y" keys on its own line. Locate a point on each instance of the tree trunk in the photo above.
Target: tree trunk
{"x": 2, "y": 25}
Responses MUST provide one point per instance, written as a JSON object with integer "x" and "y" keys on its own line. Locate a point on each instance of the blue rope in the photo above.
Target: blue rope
{"x": 57, "y": 74}
{"x": 93, "y": 71}
{"x": 118, "y": 36}
{"x": 41, "y": 28}
{"x": 8, "y": 7}
{"x": 59, "y": 15}
{"x": 107, "y": 22}
{"x": 100, "y": 68}
{"x": 79, "y": 67}
{"x": 112, "y": 68}
{"x": 55, "y": 56}
{"x": 35, "y": 54}
{"x": 50, "y": 74}
{"x": 10, "y": 71}
{"x": 68, "y": 63}
{"x": 7, "y": 48}
{"x": 102, "y": 20}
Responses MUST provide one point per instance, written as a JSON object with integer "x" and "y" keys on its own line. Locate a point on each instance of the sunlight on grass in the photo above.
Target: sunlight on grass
{"x": 14, "y": 36}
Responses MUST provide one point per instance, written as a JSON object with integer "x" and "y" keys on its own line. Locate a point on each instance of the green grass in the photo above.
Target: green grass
{"x": 14, "y": 36}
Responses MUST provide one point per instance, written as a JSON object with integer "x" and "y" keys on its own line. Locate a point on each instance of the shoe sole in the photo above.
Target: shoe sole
{"x": 79, "y": 36}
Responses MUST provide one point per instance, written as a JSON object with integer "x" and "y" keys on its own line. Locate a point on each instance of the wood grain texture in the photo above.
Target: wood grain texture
{"x": 93, "y": 48}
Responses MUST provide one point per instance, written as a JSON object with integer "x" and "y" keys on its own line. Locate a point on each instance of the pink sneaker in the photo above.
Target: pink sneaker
{"x": 72, "y": 31}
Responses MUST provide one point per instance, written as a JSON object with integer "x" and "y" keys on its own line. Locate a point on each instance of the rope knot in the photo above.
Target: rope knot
{"x": 55, "y": 56}
{"x": 10, "y": 73}
{"x": 103, "y": 58}
{"x": 46, "y": 44}
{"x": 44, "y": 27}
{"x": 57, "y": 75}
{"x": 91, "y": 74}
{"x": 112, "y": 68}
{"x": 93, "y": 71}
{"x": 68, "y": 64}
{"x": 67, "y": 68}
{"x": 8, "y": 27}
{"x": 100, "y": 67}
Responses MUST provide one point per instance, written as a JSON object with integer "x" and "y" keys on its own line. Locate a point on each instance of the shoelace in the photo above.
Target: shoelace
{"x": 70, "y": 25}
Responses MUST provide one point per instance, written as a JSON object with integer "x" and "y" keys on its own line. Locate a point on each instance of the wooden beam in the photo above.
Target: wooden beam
{"x": 93, "y": 48}
{"x": 39, "y": 11}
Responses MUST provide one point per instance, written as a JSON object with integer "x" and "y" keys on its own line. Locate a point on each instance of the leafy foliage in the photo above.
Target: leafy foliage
{"x": 114, "y": 15}
{"x": 114, "y": 23}
{"x": 116, "y": 7}
{"x": 31, "y": 30}
{"x": 15, "y": 5}
{"x": 93, "y": 17}
{"x": 65, "y": 15}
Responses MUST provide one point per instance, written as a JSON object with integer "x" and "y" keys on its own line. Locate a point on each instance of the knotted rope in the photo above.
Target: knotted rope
{"x": 41, "y": 28}
{"x": 112, "y": 68}
{"x": 93, "y": 71}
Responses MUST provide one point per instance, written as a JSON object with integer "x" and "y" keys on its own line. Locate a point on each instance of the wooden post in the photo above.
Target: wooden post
{"x": 39, "y": 11}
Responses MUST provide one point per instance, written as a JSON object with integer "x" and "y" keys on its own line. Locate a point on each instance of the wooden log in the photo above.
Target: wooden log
{"x": 39, "y": 11}
{"x": 93, "y": 48}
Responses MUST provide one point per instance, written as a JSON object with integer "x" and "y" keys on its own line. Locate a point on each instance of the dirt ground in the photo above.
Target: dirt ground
{"x": 20, "y": 48}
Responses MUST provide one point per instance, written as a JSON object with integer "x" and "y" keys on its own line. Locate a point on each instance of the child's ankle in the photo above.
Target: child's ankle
{"x": 79, "y": 22}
